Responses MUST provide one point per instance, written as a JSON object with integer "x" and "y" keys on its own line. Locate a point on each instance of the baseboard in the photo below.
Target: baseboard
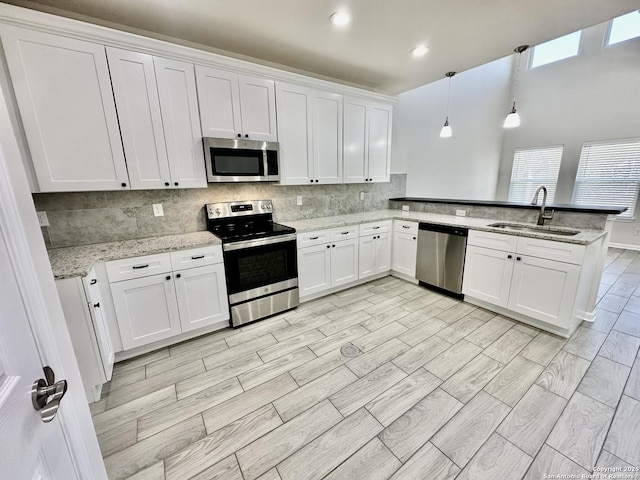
{"x": 624, "y": 246}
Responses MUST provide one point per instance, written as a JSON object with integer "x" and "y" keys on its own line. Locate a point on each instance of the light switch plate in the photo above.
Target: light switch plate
{"x": 361, "y": 195}
{"x": 299, "y": 200}
{"x": 461, "y": 213}
{"x": 157, "y": 210}
{"x": 43, "y": 219}
{"x": 405, "y": 208}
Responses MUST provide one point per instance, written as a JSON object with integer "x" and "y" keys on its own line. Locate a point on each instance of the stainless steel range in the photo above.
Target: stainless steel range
{"x": 260, "y": 259}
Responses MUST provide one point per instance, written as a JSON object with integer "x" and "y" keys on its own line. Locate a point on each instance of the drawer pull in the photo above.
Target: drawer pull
{"x": 344, "y": 233}
{"x": 509, "y": 256}
{"x": 197, "y": 257}
{"x": 93, "y": 281}
{"x": 406, "y": 226}
{"x": 96, "y": 305}
{"x": 313, "y": 238}
{"x": 376, "y": 228}
{"x": 138, "y": 267}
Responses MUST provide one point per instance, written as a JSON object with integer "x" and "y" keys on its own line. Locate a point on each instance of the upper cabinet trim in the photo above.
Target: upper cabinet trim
{"x": 45, "y": 22}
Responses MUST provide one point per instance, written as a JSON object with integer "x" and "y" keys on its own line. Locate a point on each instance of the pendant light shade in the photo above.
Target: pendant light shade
{"x": 446, "y": 130}
{"x": 513, "y": 118}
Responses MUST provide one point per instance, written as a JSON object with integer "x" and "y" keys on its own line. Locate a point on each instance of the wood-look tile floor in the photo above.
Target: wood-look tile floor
{"x": 442, "y": 390}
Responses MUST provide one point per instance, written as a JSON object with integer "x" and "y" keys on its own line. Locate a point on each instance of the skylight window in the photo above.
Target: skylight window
{"x": 558, "y": 49}
{"x": 624, "y": 28}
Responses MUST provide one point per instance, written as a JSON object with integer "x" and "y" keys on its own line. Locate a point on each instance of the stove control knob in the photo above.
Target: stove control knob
{"x": 218, "y": 212}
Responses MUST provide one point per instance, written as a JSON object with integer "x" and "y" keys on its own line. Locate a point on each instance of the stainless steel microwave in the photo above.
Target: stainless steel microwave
{"x": 230, "y": 160}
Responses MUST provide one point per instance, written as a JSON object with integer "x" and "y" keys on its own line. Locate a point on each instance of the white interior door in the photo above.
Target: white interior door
{"x": 31, "y": 449}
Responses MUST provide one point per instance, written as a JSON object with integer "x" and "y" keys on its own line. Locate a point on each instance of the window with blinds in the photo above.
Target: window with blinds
{"x": 533, "y": 167}
{"x": 609, "y": 175}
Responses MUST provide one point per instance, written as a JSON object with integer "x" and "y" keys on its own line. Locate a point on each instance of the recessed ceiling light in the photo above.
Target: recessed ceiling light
{"x": 340, "y": 19}
{"x": 420, "y": 51}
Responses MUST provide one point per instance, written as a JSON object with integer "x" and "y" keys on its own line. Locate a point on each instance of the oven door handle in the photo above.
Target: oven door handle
{"x": 258, "y": 242}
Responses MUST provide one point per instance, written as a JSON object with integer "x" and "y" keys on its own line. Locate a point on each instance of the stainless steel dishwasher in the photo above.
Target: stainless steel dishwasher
{"x": 440, "y": 261}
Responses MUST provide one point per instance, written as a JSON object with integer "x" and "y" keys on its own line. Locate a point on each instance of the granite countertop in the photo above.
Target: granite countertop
{"x": 70, "y": 262}
{"x": 585, "y": 236}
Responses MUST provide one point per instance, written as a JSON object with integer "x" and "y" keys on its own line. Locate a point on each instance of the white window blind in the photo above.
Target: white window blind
{"x": 609, "y": 174}
{"x": 533, "y": 167}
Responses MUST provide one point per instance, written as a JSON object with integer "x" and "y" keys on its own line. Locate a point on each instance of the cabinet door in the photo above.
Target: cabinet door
{"x": 544, "y": 289}
{"x": 366, "y": 256}
{"x": 146, "y": 309}
{"x": 202, "y": 296}
{"x": 327, "y": 137}
{"x": 379, "y": 130}
{"x": 356, "y": 146}
{"x": 180, "y": 119}
{"x": 219, "y": 101}
{"x": 258, "y": 108}
{"x": 134, "y": 88}
{"x": 97, "y": 306}
{"x": 344, "y": 262}
{"x": 63, "y": 90}
{"x": 295, "y": 130}
{"x": 314, "y": 269}
{"x": 487, "y": 275}
{"x": 383, "y": 253}
{"x": 405, "y": 248}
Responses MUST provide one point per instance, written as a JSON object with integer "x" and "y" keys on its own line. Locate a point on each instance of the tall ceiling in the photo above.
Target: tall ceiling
{"x": 372, "y": 52}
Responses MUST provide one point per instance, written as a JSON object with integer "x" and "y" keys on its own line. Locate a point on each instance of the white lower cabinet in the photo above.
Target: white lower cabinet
{"x": 541, "y": 288}
{"x": 86, "y": 320}
{"x": 374, "y": 254}
{"x": 405, "y": 247}
{"x": 327, "y": 259}
{"x": 150, "y": 308}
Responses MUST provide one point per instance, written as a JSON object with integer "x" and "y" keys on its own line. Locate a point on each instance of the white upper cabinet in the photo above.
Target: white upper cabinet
{"x": 367, "y": 141}
{"x": 236, "y": 106}
{"x": 66, "y": 103}
{"x": 310, "y": 135}
{"x": 158, "y": 113}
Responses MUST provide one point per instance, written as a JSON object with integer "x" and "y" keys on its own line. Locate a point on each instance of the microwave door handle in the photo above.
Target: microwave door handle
{"x": 265, "y": 164}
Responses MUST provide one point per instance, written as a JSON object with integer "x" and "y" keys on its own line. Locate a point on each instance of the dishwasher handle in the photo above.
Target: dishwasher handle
{"x": 451, "y": 230}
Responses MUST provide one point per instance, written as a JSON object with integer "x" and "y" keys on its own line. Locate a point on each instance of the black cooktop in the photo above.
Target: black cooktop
{"x": 238, "y": 229}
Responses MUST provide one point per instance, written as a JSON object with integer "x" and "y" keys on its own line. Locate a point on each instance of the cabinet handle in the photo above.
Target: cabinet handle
{"x": 246, "y": 135}
{"x": 333, "y": 246}
{"x": 166, "y": 184}
{"x": 178, "y": 275}
{"x": 406, "y": 226}
{"x": 123, "y": 184}
{"x": 311, "y": 180}
{"x": 93, "y": 281}
{"x": 168, "y": 277}
{"x": 137, "y": 267}
{"x": 344, "y": 233}
{"x": 198, "y": 257}
{"x": 313, "y": 238}
{"x": 375, "y": 228}
{"x": 96, "y": 305}
{"x": 414, "y": 238}
{"x": 371, "y": 179}
{"x": 518, "y": 258}
{"x": 176, "y": 184}
{"x": 509, "y": 256}
{"x": 316, "y": 181}
{"x": 239, "y": 135}
{"x": 328, "y": 246}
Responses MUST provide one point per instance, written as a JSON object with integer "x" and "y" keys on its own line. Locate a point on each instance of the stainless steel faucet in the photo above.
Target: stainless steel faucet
{"x": 541, "y": 216}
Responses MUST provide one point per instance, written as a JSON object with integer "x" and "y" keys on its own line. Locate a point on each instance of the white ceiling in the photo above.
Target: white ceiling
{"x": 373, "y": 52}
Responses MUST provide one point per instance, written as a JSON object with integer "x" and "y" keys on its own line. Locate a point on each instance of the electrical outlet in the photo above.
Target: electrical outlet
{"x": 405, "y": 208}
{"x": 299, "y": 200}
{"x": 361, "y": 195}
{"x": 157, "y": 210}
{"x": 461, "y": 213}
{"x": 44, "y": 220}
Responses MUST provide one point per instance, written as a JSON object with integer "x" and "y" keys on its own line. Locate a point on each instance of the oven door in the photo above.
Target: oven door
{"x": 255, "y": 268}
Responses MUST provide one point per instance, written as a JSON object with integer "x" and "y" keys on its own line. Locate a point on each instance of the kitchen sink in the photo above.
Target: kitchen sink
{"x": 534, "y": 228}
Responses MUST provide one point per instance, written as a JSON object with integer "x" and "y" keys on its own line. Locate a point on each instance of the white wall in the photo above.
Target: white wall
{"x": 594, "y": 96}
{"x": 466, "y": 165}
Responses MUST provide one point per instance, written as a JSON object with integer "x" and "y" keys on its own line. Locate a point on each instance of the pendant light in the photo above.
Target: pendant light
{"x": 513, "y": 118}
{"x": 446, "y": 131}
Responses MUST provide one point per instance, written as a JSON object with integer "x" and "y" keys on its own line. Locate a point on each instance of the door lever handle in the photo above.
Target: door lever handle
{"x": 46, "y": 394}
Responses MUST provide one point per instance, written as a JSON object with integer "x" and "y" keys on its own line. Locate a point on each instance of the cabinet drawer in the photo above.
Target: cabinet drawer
{"x": 344, "y": 233}
{"x": 138, "y": 267}
{"x": 196, "y": 257}
{"x": 560, "y": 251}
{"x": 317, "y": 237}
{"x": 375, "y": 227}
{"x": 496, "y": 241}
{"x": 403, "y": 226}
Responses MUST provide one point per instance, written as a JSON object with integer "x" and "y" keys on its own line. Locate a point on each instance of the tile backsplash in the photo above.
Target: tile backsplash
{"x": 81, "y": 218}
